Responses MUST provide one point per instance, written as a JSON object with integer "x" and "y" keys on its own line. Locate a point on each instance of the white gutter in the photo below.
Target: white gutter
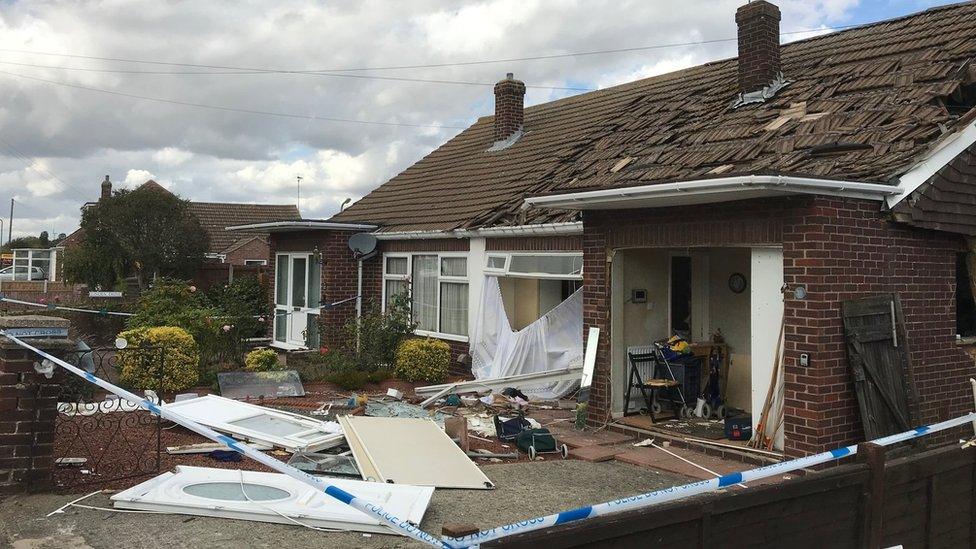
{"x": 936, "y": 159}
{"x": 543, "y": 229}
{"x": 710, "y": 190}
{"x": 299, "y": 225}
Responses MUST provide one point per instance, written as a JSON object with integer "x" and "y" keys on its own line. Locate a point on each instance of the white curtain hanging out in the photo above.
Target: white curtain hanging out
{"x": 552, "y": 342}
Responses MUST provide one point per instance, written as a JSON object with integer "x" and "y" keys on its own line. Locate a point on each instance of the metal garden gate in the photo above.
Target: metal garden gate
{"x": 99, "y": 439}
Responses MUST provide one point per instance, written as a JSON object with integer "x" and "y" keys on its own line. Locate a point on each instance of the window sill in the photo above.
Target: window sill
{"x": 287, "y": 346}
{"x": 438, "y": 335}
{"x": 964, "y": 341}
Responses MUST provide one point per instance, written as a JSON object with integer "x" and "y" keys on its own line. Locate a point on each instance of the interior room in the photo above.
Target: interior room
{"x": 725, "y": 302}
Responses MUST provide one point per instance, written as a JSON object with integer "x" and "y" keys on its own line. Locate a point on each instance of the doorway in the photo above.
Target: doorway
{"x": 297, "y": 289}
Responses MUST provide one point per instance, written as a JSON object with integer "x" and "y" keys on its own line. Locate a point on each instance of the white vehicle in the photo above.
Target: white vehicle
{"x": 20, "y": 273}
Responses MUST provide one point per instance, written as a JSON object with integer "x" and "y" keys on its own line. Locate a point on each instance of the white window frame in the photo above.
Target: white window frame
{"x": 506, "y": 270}
{"x": 52, "y": 273}
{"x": 222, "y": 414}
{"x": 440, "y": 278}
{"x": 248, "y": 262}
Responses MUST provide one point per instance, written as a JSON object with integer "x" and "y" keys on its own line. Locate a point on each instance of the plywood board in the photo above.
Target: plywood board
{"x": 410, "y": 451}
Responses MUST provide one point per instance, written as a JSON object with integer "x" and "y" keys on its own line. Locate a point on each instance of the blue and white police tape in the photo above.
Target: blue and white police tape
{"x": 367, "y": 507}
{"x": 664, "y": 495}
{"x": 55, "y": 307}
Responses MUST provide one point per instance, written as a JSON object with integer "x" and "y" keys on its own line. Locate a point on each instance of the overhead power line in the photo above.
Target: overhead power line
{"x": 277, "y": 72}
{"x": 412, "y": 66}
{"x": 32, "y": 164}
{"x": 232, "y": 109}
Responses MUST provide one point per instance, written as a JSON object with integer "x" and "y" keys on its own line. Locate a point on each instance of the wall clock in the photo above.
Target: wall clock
{"x": 737, "y": 283}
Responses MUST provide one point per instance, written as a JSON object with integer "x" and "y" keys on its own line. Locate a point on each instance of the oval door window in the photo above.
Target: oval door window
{"x": 235, "y": 491}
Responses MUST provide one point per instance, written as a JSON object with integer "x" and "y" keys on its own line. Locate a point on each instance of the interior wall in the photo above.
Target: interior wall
{"x": 645, "y": 322}
{"x": 729, "y": 313}
{"x": 527, "y": 299}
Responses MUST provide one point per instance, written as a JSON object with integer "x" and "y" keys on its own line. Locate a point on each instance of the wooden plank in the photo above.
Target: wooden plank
{"x": 873, "y": 513}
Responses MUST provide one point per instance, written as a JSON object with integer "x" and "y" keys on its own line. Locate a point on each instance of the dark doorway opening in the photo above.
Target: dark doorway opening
{"x": 681, "y": 295}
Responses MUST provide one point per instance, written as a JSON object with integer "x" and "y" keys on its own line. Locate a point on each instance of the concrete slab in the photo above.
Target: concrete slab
{"x": 596, "y": 453}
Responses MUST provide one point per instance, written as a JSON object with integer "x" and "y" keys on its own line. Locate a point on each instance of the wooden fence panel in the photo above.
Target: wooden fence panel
{"x": 922, "y": 500}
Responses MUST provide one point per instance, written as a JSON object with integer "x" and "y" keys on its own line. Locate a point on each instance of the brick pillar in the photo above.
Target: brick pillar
{"x": 28, "y": 407}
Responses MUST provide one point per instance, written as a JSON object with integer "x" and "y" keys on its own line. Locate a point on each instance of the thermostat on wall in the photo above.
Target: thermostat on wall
{"x": 638, "y": 295}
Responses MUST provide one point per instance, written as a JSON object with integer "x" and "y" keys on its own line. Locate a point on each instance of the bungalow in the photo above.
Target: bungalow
{"x": 744, "y": 200}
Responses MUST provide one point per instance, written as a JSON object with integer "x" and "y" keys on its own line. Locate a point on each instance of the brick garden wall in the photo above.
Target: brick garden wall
{"x": 839, "y": 250}
{"x": 28, "y": 410}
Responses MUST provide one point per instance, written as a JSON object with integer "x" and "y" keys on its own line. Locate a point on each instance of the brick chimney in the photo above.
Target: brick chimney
{"x": 509, "y": 106}
{"x": 758, "y": 45}
{"x": 106, "y": 189}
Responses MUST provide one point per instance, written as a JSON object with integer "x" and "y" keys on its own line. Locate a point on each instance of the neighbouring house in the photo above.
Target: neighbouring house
{"x": 750, "y": 197}
{"x": 233, "y": 248}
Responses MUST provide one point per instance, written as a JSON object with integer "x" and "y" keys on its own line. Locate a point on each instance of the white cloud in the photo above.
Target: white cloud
{"x": 134, "y": 178}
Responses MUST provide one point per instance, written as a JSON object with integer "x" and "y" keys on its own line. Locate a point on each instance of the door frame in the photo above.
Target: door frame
{"x": 290, "y": 311}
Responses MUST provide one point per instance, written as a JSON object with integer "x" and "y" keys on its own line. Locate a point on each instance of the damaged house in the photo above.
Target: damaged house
{"x": 734, "y": 201}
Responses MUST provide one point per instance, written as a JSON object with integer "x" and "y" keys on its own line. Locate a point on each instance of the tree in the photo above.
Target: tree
{"x": 23, "y": 242}
{"x": 146, "y": 232}
{"x": 44, "y": 239}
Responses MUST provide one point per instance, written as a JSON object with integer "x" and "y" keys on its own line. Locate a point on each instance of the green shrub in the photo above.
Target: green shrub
{"x": 261, "y": 360}
{"x": 422, "y": 360}
{"x": 380, "y": 333}
{"x": 218, "y": 321}
{"x": 139, "y": 364}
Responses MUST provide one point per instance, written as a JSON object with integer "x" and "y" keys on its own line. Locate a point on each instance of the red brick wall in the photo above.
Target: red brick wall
{"x": 254, "y": 249}
{"x": 839, "y": 250}
{"x": 28, "y": 409}
{"x": 573, "y": 243}
{"x": 339, "y": 274}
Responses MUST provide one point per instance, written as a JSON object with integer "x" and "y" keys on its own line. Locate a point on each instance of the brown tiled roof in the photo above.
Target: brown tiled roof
{"x": 861, "y": 105}
{"x": 215, "y": 217}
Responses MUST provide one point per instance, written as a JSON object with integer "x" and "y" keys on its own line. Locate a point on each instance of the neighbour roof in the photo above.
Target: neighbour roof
{"x": 215, "y": 217}
{"x": 861, "y": 104}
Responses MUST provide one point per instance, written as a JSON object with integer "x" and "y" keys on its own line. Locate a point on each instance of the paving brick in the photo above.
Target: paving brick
{"x": 578, "y": 439}
{"x": 596, "y": 453}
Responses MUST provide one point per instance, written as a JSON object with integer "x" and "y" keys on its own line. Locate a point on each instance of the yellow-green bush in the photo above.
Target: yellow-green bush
{"x": 261, "y": 360}
{"x": 422, "y": 360}
{"x": 139, "y": 362}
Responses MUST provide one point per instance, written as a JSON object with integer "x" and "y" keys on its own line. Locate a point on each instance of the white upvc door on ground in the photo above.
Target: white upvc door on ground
{"x": 297, "y": 291}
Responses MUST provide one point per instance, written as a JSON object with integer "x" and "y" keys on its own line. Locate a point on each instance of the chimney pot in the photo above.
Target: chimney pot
{"x": 509, "y": 106}
{"x": 106, "y": 188}
{"x": 758, "y": 23}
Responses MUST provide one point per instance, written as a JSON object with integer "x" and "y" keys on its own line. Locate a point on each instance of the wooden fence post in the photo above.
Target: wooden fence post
{"x": 873, "y": 455}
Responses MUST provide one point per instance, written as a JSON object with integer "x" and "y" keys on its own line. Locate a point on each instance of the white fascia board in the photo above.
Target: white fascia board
{"x": 284, "y": 226}
{"x": 542, "y": 229}
{"x": 711, "y": 190}
{"x": 935, "y": 160}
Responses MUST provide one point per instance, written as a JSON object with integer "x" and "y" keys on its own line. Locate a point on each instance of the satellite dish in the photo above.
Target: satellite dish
{"x": 363, "y": 245}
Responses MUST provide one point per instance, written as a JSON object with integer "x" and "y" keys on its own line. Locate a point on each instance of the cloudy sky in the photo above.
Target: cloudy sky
{"x": 216, "y": 101}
